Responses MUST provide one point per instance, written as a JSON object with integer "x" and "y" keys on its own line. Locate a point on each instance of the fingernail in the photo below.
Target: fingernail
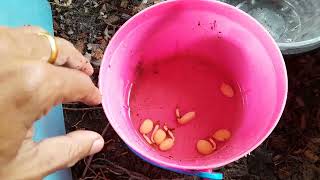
{"x": 96, "y": 146}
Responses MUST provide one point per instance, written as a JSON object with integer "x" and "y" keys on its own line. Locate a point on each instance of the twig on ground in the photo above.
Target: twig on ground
{"x": 88, "y": 166}
{"x": 97, "y": 175}
{"x": 76, "y": 125}
{"x": 129, "y": 173}
{"x": 124, "y": 153}
{"x": 102, "y": 173}
{"x": 82, "y": 109}
{"x": 86, "y": 178}
{"x": 105, "y": 130}
{"x": 91, "y": 157}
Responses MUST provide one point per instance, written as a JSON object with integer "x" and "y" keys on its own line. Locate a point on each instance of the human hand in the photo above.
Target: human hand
{"x": 25, "y": 44}
{"x": 28, "y": 89}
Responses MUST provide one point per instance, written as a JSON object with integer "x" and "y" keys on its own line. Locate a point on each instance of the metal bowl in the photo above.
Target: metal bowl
{"x": 294, "y": 24}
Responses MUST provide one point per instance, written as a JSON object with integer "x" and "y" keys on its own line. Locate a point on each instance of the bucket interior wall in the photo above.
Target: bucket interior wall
{"x": 242, "y": 51}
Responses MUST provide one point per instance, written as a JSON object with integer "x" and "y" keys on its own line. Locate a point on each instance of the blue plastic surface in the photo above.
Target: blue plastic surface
{"x": 15, "y": 13}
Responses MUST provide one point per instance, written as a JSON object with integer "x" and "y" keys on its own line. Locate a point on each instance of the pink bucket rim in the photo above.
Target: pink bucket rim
{"x": 238, "y": 156}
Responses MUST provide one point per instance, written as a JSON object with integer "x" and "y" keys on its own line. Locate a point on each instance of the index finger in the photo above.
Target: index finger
{"x": 72, "y": 85}
{"x": 35, "y": 87}
{"x": 70, "y": 57}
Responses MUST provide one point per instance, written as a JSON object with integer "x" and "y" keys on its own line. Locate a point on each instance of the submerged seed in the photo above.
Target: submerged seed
{"x": 154, "y": 131}
{"x": 222, "y": 135}
{"x": 166, "y": 144}
{"x": 146, "y": 126}
{"x": 187, "y": 118}
{"x": 171, "y": 135}
{"x": 147, "y": 139}
{"x": 159, "y": 136}
{"x": 204, "y": 147}
{"x": 227, "y": 90}
{"x": 178, "y": 113}
{"x": 214, "y": 145}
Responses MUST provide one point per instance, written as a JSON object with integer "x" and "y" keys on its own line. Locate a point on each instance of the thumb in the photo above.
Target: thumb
{"x": 64, "y": 151}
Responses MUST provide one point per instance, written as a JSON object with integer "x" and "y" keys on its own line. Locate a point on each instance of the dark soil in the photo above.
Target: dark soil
{"x": 291, "y": 152}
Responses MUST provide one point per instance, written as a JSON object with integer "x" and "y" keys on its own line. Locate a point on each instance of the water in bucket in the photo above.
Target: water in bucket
{"x": 191, "y": 84}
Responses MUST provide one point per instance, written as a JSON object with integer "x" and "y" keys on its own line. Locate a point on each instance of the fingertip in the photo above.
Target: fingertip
{"x": 88, "y": 69}
{"x": 94, "y": 98}
{"x": 85, "y": 65}
{"x": 97, "y": 146}
{"x": 77, "y": 86}
{"x": 97, "y": 141}
{"x": 98, "y": 97}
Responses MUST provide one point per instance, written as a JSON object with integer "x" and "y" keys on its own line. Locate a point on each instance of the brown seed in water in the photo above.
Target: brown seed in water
{"x": 214, "y": 145}
{"x": 166, "y": 144}
{"x": 147, "y": 139}
{"x": 159, "y": 136}
{"x": 204, "y": 147}
{"x": 187, "y": 118}
{"x": 154, "y": 131}
{"x": 222, "y": 135}
{"x": 178, "y": 113}
{"x": 171, "y": 135}
{"x": 227, "y": 90}
{"x": 146, "y": 126}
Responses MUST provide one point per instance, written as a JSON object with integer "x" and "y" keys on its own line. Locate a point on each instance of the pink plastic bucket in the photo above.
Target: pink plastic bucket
{"x": 237, "y": 46}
